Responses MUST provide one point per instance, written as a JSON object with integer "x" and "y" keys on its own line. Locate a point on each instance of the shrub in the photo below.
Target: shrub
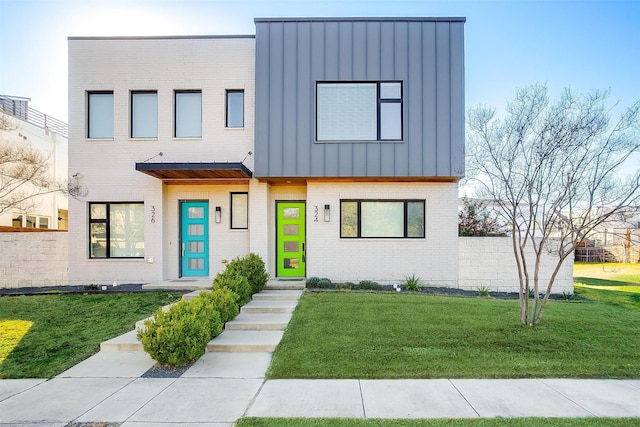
{"x": 324, "y": 283}
{"x": 252, "y": 267}
{"x": 179, "y": 335}
{"x": 345, "y": 286}
{"x": 483, "y": 291}
{"x": 412, "y": 283}
{"x": 225, "y": 301}
{"x": 238, "y": 284}
{"x": 312, "y": 282}
{"x": 369, "y": 285}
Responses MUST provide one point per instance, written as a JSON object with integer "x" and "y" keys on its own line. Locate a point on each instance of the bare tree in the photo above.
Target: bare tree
{"x": 25, "y": 172}
{"x": 551, "y": 167}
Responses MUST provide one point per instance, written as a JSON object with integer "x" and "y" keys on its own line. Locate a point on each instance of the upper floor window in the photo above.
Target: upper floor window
{"x": 235, "y": 109}
{"x": 144, "y": 114}
{"x": 188, "y": 114}
{"x": 100, "y": 114}
{"x": 359, "y": 111}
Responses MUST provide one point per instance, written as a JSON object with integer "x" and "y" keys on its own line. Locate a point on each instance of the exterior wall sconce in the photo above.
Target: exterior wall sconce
{"x": 218, "y": 214}
{"x": 327, "y": 213}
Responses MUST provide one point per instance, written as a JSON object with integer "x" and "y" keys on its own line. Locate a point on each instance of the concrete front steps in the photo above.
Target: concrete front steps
{"x": 258, "y": 327}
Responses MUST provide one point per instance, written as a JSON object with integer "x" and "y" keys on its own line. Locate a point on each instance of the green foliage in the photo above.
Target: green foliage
{"x": 324, "y": 283}
{"x": 238, "y": 284}
{"x": 483, "y": 291}
{"x": 567, "y": 296}
{"x": 180, "y": 335}
{"x": 312, "y": 282}
{"x": 412, "y": 283}
{"x": 369, "y": 285}
{"x": 475, "y": 219}
{"x": 345, "y": 286}
{"x": 252, "y": 267}
{"x": 224, "y": 300}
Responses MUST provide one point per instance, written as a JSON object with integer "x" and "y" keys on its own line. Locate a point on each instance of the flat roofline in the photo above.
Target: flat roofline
{"x": 240, "y": 36}
{"x": 363, "y": 19}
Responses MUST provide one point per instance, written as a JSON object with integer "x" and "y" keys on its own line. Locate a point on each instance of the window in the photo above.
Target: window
{"x": 144, "y": 114}
{"x": 188, "y": 114}
{"x": 235, "y": 109}
{"x": 16, "y": 221}
{"x": 359, "y": 111}
{"x": 100, "y": 115}
{"x": 43, "y": 222}
{"x": 116, "y": 230}
{"x": 239, "y": 210}
{"x": 382, "y": 218}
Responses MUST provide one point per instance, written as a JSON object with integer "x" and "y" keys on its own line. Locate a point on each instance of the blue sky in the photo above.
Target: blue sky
{"x": 584, "y": 44}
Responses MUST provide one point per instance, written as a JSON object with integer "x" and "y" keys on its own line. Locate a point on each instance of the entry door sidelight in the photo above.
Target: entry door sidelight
{"x": 290, "y": 239}
{"x": 194, "y": 239}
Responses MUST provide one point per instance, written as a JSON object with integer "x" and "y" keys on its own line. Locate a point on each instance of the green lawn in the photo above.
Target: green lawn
{"x": 611, "y": 283}
{"x": 479, "y": 422}
{"x": 385, "y": 335}
{"x": 41, "y": 336}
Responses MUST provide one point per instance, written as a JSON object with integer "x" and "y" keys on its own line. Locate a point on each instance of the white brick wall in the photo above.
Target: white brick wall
{"x": 434, "y": 259}
{"x": 107, "y": 167}
{"x": 489, "y": 262}
{"x": 33, "y": 259}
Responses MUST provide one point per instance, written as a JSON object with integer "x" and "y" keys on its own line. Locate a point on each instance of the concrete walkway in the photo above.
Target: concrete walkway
{"x": 224, "y": 385}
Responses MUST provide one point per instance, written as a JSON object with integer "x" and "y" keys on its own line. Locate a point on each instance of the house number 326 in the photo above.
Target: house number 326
{"x": 153, "y": 214}
{"x": 315, "y": 213}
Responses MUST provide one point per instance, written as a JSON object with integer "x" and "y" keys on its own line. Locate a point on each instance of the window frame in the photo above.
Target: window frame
{"x": 405, "y": 218}
{"x": 175, "y": 113}
{"x": 132, "y": 116}
{"x": 106, "y": 221}
{"x": 226, "y": 117}
{"x": 88, "y": 118}
{"x": 379, "y": 101}
{"x": 231, "y": 195}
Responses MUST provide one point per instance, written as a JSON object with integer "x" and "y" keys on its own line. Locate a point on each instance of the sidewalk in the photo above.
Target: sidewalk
{"x": 222, "y": 387}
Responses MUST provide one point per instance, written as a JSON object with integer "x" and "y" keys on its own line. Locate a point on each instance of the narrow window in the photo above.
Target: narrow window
{"x": 382, "y": 218}
{"x": 16, "y": 221}
{"x": 116, "y": 230}
{"x": 239, "y": 210}
{"x": 100, "y": 115}
{"x": 188, "y": 114}
{"x": 235, "y": 109}
{"x": 144, "y": 114}
{"x": 43, "y": 222}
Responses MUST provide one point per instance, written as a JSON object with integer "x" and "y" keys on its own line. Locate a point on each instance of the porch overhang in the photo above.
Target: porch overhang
{"x": 192, "y": 171}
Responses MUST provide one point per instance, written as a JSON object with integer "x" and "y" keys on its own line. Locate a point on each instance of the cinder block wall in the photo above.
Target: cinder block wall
{"x": 489, "y": 262}
{"x": 31, "y": 259}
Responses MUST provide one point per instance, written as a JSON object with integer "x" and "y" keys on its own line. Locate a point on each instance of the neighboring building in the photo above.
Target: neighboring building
{"x": 49, "y": 136}
{"x": 330, "y": 147}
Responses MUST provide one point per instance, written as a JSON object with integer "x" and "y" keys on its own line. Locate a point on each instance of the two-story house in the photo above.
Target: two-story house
{"x": 330, "y": 147}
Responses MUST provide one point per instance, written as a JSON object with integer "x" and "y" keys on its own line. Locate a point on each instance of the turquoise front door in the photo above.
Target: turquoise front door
{"x": 194, "y": 239}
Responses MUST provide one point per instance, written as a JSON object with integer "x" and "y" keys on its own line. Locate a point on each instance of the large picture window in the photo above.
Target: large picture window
{"x": 100, "y": 115}
{"x": 382, "y": 218}
{"x": 116, "y": 230}
{"x": 144, "y": 114}
{"x": 359, "y": 111}
{"x": 188, "y": 114}
{"x": 239, "y": 210}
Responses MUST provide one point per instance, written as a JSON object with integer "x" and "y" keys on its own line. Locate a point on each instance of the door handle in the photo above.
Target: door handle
{"x": 303, "y": 248}
{"x": 183, "y": 249}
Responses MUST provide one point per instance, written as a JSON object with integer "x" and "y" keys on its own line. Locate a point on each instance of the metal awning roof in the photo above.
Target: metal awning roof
{"x": 195, "y": 171}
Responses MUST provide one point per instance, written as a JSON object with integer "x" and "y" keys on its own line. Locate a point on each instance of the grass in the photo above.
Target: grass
{"x": 474, "y": 422}
{"x": 610, "y": 283}
{"x": 384, "y": 335}
{"x": 41, "y": 336}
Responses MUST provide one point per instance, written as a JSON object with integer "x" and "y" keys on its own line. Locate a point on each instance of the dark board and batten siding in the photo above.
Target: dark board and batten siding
{"x": 426, "y": 54}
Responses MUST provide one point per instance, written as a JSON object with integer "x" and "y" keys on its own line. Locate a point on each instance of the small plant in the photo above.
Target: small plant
{"x": 532, "y": 293}
{"x": 92, "y": 287}
{"x": 412, "y": 283}
{"x": 252, "y": 267}
{"x": 369, "y": 285}
{"x": 324, "y": 283}
{"x": 345, "y": 286}
{"x": 238, "y": 284}
{"x": 567, "y": 296}
{"x": 483, "y": 291}
{"x": 225, "y": 301}
{"x": 312, "y": 282}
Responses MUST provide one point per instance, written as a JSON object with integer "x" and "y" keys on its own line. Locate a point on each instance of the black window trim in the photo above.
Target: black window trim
{"x": 226, "y": 109}
{"x": 131, "y": 94}
{"x": 88, "y": 118}
{"x": 175, "y": 112}
{"x": 107, "y": 229}
{"x": 379, "y": 102}
{"x": 231, "y": 210}
{"x": 405, "y": 215}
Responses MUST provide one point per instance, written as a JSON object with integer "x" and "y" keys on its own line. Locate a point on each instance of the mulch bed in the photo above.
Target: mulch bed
{"x": 158, "y": 371}
{"x": 84, "y": 289}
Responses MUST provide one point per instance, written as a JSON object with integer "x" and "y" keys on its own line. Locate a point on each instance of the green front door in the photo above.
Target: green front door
{"x": 290, "y": 239}
{"x": 194, "y": 236}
